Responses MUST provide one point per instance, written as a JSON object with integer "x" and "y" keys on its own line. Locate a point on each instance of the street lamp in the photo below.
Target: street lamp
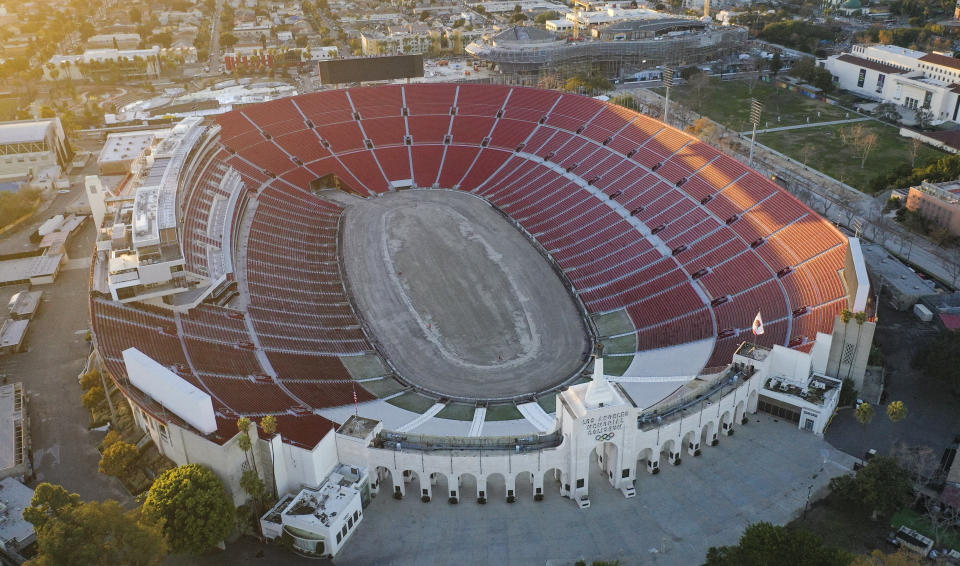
{"x": 668, "y": 75}
{"x": 756, "y": 108}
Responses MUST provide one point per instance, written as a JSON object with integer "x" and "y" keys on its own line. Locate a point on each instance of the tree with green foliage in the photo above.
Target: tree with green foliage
{"x": 864, "y": 413}
{"x": 227, "y": 40}
{"x": 71, "y": 531}
{"x": 541, "y": 19}
{"x": 93, "y": 397}
{"x": 50, "y": 501}
{"x": 269, "y": 424}
{"x": 776, "y": 64}
{"x": 897, "y": 411}
{"x": 253, "y": 486}
{"x": 881, "y": 488}
{"x": 848, "y": 393}
{"x": 940, "y": 359}
{"x": 118, "y": 459}
{"x": 763, "y": 544}
{"x": 192, "y": 507}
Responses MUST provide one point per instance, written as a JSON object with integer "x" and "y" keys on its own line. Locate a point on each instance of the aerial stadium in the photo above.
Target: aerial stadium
{"x": 424, "y": 283}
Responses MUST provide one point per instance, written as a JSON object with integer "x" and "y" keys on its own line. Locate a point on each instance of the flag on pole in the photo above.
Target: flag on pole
{"x": 758, "y": 325}
{"x": 356, "y": 402}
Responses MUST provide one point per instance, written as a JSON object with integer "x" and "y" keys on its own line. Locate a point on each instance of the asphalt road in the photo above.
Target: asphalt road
{"x": 64, "y": 451}
{"x": 933, "y": 412}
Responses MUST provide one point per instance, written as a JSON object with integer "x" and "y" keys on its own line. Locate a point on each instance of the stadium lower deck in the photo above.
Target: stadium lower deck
{"x": 640, "y": 218}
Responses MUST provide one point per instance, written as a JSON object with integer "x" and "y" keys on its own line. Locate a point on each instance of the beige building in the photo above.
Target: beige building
{"x": 937, "y": 202}
{"x": 30, "y": 147}
{"x": 114, "y": 40}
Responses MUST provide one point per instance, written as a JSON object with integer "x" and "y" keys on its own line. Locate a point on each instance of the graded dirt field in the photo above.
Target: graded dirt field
{"x": 459, "y": 301}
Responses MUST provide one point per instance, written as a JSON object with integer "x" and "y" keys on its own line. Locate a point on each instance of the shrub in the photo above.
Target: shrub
{"x": 93, "y": 397}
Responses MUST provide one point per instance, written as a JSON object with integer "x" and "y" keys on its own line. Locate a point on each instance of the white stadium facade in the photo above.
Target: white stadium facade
{"x": 424, "y": 285}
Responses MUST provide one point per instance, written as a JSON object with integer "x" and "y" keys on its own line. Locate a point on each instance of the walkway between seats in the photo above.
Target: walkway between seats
{"x": 808, "y": 125}
{"x": 536, "y": 416}
{"x": 431, "y": 412}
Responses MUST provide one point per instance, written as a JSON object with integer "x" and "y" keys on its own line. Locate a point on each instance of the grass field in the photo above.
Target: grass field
{"x": 728, "y": 102}
{"x": 8, "y": 108}
{"x": 922, "y": 525}
{"x": 616, "y": 365}
{"x": 457, "y": 412}
{"x": 620, "y": 345}
{"x": 548, "y": 403}
{"x": 383, "y": 387}
{"x": 823, "y": 148}
{"x": 503, "y": 413}
{"x": 413, "y": 401}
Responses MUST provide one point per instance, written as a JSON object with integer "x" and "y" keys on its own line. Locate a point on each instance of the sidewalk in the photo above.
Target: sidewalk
{"x": 809, "y": 125}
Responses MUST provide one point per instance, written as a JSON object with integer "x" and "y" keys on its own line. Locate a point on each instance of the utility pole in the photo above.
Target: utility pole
{"x": 756, "y": 109}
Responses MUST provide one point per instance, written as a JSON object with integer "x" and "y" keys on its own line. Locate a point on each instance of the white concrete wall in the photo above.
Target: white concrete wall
{"x": 629, "y": 449}
{"x": 295, "y": 467}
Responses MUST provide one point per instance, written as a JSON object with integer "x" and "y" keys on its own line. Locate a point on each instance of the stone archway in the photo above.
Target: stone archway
{"x": 523, "y": 485}
{"x": 647, "y": 460}
{"x": 739, "y": 414}
{"x": 670, "y": 452}
{"x": 708, "y": 436}
{"x": 440, "y": 486}
{"x": 495, "y": 485}
{"x": 383, "y": 482}
{"x": 726, "y": 424}
{"x": 552, "y": 482}
{"x": 468, "y": 486}
{"x": 411, "y": 479}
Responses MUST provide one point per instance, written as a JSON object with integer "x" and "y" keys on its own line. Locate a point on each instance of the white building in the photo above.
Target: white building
{"x": 29, "y": 147}
{"x": 908, "y": 78}
{"x": 132, "y": 62}
{"x": 320, "y": 521}
{"x": 16, "y": 534}
{"x": 145, "y": 260}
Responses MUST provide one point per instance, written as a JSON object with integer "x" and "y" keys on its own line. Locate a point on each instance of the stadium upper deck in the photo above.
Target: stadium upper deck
{"x": 638, "y": 216}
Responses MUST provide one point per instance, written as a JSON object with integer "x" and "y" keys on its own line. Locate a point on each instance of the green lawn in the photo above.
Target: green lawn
{"x": 617, "y": 322}
{"x": 917, "y": 522}
{"x": 457, "y": 412}
{"x": 620, "y": 345}
{"x": 728, "y": 102}
{"x": 413, "y": 401}
{"x": 548, "y": 403}
{"x": 826, "y": 151}
{"x": 616, "y": 365}
{"x": 503, "y": 413}
{"x": 383, "y": 387}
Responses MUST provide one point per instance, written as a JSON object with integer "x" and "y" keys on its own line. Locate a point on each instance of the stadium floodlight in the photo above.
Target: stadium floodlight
{"x": 668, "y": 76}
{"x": 756, "y": 109}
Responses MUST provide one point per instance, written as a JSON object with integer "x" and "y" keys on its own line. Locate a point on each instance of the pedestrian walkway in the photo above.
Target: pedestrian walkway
{"x": 809, "y": 125}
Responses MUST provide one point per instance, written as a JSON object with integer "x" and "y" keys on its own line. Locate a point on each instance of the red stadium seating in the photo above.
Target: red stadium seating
{"x": 637, "y": 215}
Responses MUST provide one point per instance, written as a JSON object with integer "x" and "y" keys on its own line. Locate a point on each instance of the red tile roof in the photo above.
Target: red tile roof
{"x": 941, "y": 60}
{"x": 872, "y": 65}
{"x": 950, "y": 321}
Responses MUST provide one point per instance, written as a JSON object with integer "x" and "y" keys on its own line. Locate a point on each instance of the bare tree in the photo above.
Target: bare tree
{"x": 941, "y": 516}
{"x": 920, "y": 462}
{"x": 953, "y": 269}
{"x": 914, "y": 150}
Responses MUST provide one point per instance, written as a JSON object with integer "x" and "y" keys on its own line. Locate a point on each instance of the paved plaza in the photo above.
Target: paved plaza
{"x": 763, "y": 473}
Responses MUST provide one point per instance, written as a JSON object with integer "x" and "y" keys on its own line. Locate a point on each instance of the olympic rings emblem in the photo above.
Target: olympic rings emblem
{"x": 606, "y": 436}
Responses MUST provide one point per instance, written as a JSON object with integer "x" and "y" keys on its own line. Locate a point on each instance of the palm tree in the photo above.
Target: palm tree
{"x": 897, "y": 411}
